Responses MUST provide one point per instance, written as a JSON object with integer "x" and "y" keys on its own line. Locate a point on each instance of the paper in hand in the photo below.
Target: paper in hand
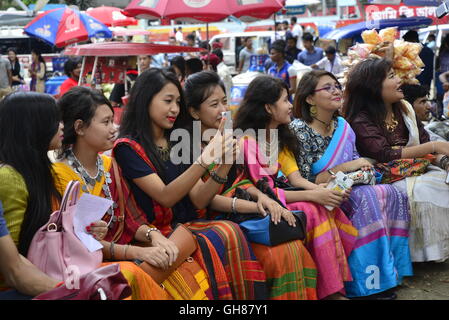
{"x": 89, "y": 209}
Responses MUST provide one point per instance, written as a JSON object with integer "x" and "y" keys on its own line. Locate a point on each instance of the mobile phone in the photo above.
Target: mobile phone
{"x": 447, "y": 178}
{"x": 228, "y": 122}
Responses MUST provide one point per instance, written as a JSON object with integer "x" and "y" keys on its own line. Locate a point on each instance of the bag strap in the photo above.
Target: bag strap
{"x": 70, "y": 197}
{"x": 121, "y": 202}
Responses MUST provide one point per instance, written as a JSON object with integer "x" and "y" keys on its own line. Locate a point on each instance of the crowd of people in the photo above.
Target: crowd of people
{"x": 360, "y": 243}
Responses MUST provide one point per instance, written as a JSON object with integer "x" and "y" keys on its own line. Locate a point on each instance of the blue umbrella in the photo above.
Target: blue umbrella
{"x": 63, "y": 26}
{"x": 356, "y": 29}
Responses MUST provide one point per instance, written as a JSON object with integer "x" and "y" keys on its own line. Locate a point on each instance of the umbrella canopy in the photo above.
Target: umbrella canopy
{"x": 111, "y": 16}
{"x": 203, "y": 10}
{"x": 63, "y": 26}
{"x": 117, "y": 49}
{"x": 356, "y": 29}
{"x": 251, "y": 10}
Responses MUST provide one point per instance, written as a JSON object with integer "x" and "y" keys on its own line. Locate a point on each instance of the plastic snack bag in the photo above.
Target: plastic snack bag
{"x": 371, "y": 37}
{"x": 388, "y": 34}
{"x": 403, "y": 63}
{"x": 413, "y": 50}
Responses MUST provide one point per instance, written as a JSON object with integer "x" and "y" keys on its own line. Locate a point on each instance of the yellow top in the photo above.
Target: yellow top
{"x": 14, "y": 197}
{"x": 288, "y": 162}
{"x": 65, "y": 173}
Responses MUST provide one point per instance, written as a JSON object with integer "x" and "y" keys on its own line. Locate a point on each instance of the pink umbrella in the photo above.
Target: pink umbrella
{"x": 111, "y": 16}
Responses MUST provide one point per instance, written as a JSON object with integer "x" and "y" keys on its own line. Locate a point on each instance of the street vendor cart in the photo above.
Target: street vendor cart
{"x": 108, "y": 62}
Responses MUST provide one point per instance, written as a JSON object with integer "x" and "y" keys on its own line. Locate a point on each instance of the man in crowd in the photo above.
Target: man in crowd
{"x": 331, "y": 62}
{"x": 224, "y": 72}
{"x": 144, "y": 62}
{"x": 417, "y": 96}
{"x": 281, "y": 68}
{"x": 311, "y": 55}
{"x": 297, "y": 32}
{"x": 291, "y": 51}
{"x": 245, "y": 56}
{"x": 72, "y": 69}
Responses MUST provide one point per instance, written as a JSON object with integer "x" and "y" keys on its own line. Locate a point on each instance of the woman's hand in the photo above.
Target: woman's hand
{"x": 265, "y": 203}
{"x": 222, "y": 146}
{"x": 358, "y": 164}
{"x": 156, "y": 256}
{"x": 98, "y": 229}
{"x": 158, "y": 240}
{"x": 441, "y": 147}
{"x": 327, "y": 197}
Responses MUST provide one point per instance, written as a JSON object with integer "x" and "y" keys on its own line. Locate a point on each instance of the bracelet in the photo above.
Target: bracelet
{"x": 204, "y": 167}
{"x": 126, "y": 249}
{"x": 331, "y": 172}
{"x": 217, "y": 178}
{"x": 147, "y": 235}
{"x": 111, "y": 250}
{"x": 444, "y": 161}
{"x": 233, "y": 205}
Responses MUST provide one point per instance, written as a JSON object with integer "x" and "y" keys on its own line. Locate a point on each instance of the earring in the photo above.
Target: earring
{"x": 313, "y": 110}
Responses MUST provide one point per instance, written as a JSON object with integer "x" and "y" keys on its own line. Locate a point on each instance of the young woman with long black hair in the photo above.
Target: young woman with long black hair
{"x": 170, "y": 193}
{"x": 29, "y": 127}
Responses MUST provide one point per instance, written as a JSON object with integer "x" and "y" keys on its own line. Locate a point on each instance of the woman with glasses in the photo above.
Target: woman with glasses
{"x": 330, "y": 235}
{"x": 379, "y": 212}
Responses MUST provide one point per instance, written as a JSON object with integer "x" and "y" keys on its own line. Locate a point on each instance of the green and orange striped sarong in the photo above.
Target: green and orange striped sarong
{"x": 289, "y": 268}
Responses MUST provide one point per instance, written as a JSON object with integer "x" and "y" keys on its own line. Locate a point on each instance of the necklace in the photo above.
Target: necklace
{"x": 394, "y": 123}
{"x": 91, "y": 181}
{"x": 328, "y": 125}
{"x": 164, "y": 153}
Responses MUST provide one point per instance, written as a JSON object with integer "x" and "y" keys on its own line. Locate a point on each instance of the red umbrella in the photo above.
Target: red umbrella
{"x": 203, "y": 10}
{"x": 249, "y": 10}
{"x": 184, "y": 10}
{"x": 117, "y": 49}
{"x": 111, "y": 16}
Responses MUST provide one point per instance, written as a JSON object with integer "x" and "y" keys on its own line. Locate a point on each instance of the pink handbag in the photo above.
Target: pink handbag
{"x": 55, "y": 248}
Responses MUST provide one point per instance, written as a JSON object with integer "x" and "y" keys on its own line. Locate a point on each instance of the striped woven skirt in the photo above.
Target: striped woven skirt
{"x": 245, "y": 274}
{"x": 290, "y": 270}
{"x": 330, "y": 240}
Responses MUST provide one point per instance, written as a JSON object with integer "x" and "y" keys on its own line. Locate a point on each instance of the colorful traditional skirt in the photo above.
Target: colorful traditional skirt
{"x": 330, "y": 240}
{"x": 290, "y": 270}
{"x": 245, "y": 274}
{"x": 381, "y": 256}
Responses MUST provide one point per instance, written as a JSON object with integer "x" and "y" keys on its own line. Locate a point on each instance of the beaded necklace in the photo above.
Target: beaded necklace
{"x": 91, "y": 181}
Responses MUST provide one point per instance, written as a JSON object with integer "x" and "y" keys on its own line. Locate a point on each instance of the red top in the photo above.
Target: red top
{"x": 66, "y": 85}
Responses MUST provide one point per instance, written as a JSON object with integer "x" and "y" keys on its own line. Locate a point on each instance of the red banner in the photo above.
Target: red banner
{"x": 381, "y": 11}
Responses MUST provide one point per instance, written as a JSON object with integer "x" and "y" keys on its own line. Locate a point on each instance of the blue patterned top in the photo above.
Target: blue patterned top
{"x": 312, "y": 146}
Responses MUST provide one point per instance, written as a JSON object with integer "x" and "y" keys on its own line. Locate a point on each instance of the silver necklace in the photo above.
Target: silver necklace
{"x": 89, "y": 180}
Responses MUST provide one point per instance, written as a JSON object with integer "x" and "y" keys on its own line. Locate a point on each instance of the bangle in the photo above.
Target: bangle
{"x": 111, "y": 250}
{"x": 233, "y": 205}
{"x": 126, "y": 249}
{"x": 330, "y": 172}
{"x": 444, "y": 161}
{"x": 217, "y": 178}
{"x": 147, "y": 235}
{"x": 204, "y": 167}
